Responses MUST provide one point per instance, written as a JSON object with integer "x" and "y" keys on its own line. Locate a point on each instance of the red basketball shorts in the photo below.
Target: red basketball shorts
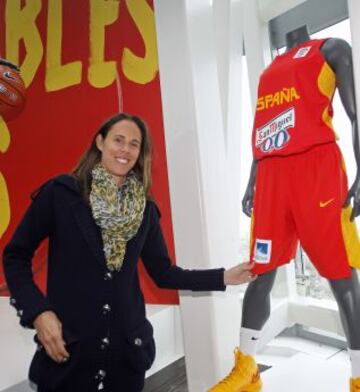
{"x": 301, "y": 197}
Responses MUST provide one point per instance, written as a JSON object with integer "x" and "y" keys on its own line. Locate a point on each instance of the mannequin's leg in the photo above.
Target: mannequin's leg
{"x": 256, "y": 305}
{"x": 347, "y": 295}
{"x": 245, "y": 375}
{"x": 256, "y": 311}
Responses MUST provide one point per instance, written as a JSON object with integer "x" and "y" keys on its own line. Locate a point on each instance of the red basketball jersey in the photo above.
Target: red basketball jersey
{"x": 294, "y": 108}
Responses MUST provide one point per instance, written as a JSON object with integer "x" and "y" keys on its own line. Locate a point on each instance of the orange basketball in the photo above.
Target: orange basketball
{"x": 12, "y": 92}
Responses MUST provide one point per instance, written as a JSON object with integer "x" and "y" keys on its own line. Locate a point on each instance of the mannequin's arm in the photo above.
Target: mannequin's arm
{"x": 338, "y": 55}
{"x": 248, "y": 199}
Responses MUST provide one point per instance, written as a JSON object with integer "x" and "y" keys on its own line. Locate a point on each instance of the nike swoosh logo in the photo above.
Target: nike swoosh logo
{"x": 8, "y": 75}
{"x": 326, "y": 203}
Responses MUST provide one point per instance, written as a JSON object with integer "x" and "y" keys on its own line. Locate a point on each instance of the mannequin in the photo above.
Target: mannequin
{"x": 256, "y": 304}
{"x": 338, "y": 55}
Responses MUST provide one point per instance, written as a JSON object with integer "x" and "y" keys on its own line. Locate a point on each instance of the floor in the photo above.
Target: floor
{"x": 290, "y": 364}
{"x": 299, "y": 365}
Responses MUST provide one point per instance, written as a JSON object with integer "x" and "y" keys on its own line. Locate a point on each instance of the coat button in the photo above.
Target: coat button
{"x": 12, "y": 301}
{"x": 106, "y": 309}
{"x": 108, "y": 275}
{"x": 100, "y": 375}
{"x": 138, "y": 342}
{"x": 105, "y": 343}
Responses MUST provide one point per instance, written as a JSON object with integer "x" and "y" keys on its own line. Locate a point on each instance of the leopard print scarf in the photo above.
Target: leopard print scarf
{"x": 118, "y": 212}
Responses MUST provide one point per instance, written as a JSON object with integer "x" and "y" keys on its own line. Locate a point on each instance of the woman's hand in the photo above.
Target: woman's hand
{"x": 49, "y": 332}
{"x": 239, "y": 274}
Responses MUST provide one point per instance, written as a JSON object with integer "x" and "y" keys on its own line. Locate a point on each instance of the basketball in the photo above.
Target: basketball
{"x": 12, "y": 92}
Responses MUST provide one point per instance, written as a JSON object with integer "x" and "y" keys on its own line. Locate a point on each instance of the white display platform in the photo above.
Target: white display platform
{"x": 304, "y": 372}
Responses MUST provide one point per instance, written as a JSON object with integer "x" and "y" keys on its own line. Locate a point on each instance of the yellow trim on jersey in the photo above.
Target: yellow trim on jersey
{"x": 351, "y": 238}
{"x": 343, "y": 166}
{"x": 327, "y": 84}
{"x": 252, "y": 224}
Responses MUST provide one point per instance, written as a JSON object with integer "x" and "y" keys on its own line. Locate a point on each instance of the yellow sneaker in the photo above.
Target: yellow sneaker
{"x": 244, "y": 377}
{"x": 355, "y": 384}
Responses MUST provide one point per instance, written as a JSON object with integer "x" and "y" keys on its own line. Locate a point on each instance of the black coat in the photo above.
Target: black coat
{"x": 102, "y": 313}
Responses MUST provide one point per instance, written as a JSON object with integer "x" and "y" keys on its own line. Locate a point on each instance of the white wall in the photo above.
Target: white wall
{"x": 198, "y": 95}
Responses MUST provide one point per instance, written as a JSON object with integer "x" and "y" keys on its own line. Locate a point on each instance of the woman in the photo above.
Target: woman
{"x": 92, "y": 331}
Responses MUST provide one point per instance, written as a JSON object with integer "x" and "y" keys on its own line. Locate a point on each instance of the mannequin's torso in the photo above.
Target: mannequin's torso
{"x": 337, "y": 53}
